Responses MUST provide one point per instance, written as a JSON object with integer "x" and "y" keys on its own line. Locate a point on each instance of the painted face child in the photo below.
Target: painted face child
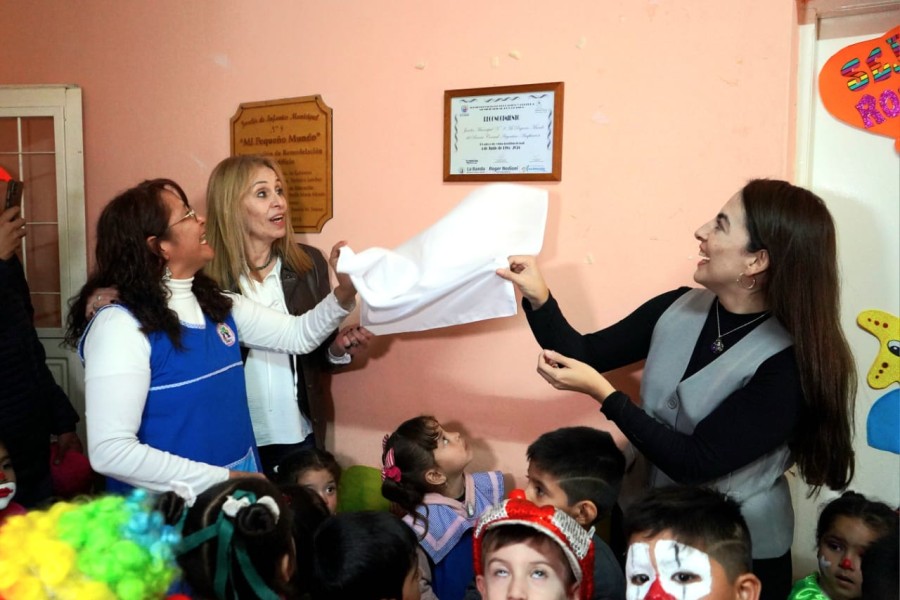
{"x": 847, "y": 526}
{"x": 7, "y": 478}
{"x": 659, "y": 567}
{"x": 840, "y": 554}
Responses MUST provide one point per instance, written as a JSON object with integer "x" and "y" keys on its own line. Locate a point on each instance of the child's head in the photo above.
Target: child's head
{"x": 365, "y": 556}
{"x": 107, "y": 547}
{"x": 846, "y": 527}
{"x": 529, "y": 551}
{"x": 576, "y": 469}
{"x": 688, "y": 542}
{"x": 237, "y": 541}
{"x": 314, "y": 469}
{"x": 309, "y": 512}
{"x": 7, "y": 477}
{"x": 879, "y": 568}
{"x": 420, "y": 457}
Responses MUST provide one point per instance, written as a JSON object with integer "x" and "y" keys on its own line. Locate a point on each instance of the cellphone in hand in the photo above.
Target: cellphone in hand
{"x": 13, "y": 193}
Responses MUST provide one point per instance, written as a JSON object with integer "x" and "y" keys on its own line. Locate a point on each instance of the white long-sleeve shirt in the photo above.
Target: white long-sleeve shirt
{"x": 117, "y": 381}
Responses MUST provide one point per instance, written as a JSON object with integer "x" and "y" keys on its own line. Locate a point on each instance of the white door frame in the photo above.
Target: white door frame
{"x": 63, "y": 103}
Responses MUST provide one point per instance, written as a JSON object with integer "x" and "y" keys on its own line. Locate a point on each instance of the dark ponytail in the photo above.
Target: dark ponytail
{"x": 413, "y": 445}
{"x": 261, "y": 536}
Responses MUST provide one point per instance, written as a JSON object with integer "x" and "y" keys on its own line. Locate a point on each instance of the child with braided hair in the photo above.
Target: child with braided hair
{"x": 425, "y": 476}
{"x": 236, "y": 541}
{"x": 105, "y": 548}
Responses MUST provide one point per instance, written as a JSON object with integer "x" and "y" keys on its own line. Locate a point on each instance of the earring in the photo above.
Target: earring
{"x": 740, "y": 282}
{"x": 167, "y": 274}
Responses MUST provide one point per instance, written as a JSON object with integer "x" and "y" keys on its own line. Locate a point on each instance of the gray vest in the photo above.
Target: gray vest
{"x": 760, "y": 487}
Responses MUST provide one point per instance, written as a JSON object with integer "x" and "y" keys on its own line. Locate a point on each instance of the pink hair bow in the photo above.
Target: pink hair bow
{"x": 390, "y": 469}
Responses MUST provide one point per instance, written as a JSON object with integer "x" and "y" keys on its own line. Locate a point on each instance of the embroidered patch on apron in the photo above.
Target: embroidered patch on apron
{"x": 225, "y": 334}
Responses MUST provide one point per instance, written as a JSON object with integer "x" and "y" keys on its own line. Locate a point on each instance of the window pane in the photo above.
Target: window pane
{"x": 10, "y": 162}
{"x": 42, "y": 258}
{"x": 40, "y": 188}
{"x": 46, "y": 310}
{"x": 9, "y": 139}
{"x": 37, "y": 134}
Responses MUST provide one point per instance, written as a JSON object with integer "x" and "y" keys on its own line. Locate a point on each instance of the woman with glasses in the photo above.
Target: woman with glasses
{"x": 164, "y": 383}
{"x": 255, "y": 255}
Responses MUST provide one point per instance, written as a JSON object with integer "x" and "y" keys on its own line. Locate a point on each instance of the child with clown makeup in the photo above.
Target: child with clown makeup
{"x": 847, "y": 526}
{"x": 688, "y": 543}
{"x": 8, "y": 508}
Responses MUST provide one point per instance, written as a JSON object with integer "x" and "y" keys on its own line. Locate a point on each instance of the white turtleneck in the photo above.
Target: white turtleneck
{"x": 117, "y": 381}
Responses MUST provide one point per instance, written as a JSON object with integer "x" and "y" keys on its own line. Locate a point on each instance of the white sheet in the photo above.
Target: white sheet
{"x": 446, "y": 274}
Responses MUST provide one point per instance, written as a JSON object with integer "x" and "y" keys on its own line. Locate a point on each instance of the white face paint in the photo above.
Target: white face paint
{"x": 7, "y": 491}
{"x": 683, "y": 572}
{"x": 639, "y": 571}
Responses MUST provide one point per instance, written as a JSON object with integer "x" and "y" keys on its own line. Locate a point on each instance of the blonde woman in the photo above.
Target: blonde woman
{"x": 255, "y": 255}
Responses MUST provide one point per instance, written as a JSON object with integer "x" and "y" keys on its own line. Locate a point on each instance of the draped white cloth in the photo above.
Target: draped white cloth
{"x": 446, "y": 274}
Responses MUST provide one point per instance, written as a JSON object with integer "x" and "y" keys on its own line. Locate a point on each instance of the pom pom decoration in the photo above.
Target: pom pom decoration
{"x": 107, "y": 548}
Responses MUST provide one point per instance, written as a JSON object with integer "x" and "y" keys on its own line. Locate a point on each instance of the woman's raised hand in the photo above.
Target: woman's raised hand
{"x": 345, "y": 292}
{"x": 566, "y": 373}
{"x": 523, "y": 272}
{"x": 351, "y": 340}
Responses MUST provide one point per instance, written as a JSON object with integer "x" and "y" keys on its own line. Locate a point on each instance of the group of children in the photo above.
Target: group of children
{"x": 453, "y": 535}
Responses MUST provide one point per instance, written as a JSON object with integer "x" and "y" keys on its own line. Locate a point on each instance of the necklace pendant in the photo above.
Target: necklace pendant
{"x": 717, "y": 346}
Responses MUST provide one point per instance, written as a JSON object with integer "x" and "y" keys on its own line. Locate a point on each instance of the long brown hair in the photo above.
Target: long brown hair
{"x": 125, "y": 261}
{"x": 228, "y": 183}
{"x": 802, "y": 290}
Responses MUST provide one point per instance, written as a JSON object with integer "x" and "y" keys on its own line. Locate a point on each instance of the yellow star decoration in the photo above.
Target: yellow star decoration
{"x": 886, "y": 327}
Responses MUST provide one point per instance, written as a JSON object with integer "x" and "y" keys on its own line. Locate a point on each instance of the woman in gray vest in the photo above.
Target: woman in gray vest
{"x": 744, "y": 377}
{"x": 250, "y": 231}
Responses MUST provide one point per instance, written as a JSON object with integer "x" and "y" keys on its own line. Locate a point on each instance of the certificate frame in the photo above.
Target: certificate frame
{"x": 504, "y": 133}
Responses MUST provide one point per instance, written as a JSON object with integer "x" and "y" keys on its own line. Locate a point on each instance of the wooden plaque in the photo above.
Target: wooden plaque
{"x": 296, "y": 132}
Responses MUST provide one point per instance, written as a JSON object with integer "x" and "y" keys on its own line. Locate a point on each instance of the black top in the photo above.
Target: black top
{"x": 748, "y": 424}
{"x": 32, "y": 405}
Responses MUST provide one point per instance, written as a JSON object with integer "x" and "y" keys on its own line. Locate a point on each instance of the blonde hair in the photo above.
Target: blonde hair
{"x": 228, "y": 183}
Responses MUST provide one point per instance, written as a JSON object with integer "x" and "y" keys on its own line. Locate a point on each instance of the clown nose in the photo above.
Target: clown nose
{"x": 846, "y": 564}
{"x": 656, "y": 592}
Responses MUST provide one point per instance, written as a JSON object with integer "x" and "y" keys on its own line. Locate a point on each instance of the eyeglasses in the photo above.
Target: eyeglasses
{"x": 191, "y": 214}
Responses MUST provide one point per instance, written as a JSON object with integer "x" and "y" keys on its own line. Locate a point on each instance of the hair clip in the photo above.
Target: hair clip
{"x": 233, "y": 505}
{"x": 384, "y": 442}
{"x": 390, "y": 470}
{"x": 230, "y": 551}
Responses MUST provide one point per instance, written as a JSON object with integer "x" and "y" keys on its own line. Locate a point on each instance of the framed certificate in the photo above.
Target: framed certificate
{"x": 507, "y": 133}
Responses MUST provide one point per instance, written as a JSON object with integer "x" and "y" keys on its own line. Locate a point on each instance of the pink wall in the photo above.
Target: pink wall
{"x": 669, "y": 108}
